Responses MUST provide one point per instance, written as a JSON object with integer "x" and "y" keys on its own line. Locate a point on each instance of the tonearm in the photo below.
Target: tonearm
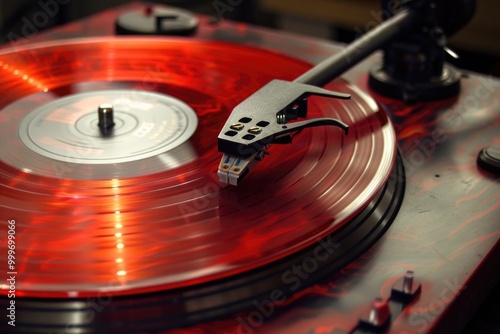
{"x": 413, "y": 37}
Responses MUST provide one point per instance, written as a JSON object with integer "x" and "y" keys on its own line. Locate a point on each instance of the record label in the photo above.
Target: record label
{"x": 146, "y": 124}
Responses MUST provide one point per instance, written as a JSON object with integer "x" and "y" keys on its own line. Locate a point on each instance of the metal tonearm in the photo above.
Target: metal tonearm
{"x": 263, "y": 118}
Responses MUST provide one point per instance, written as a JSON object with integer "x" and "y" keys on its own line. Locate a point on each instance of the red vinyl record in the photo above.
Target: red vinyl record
{"x": 141, "y": 209}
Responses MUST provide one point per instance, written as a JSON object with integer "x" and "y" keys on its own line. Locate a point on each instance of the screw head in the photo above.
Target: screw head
{"x": 255, "y": 130}
{"x": 237, "y": 126}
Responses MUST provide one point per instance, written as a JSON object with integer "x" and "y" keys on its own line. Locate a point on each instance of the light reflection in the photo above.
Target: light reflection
{"x": 120, "y": 270}
{"x": 24, "y": 76}
{"x": 73, "y": 294}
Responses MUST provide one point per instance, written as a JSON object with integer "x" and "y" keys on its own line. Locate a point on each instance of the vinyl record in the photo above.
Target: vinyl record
{"x": 140, "y": 209}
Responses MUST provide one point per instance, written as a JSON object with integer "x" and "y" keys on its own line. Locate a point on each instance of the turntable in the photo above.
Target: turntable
{"x": 214, "y": 180}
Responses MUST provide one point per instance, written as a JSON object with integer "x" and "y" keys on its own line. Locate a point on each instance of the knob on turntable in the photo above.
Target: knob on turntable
{"x": 155, "y": 20}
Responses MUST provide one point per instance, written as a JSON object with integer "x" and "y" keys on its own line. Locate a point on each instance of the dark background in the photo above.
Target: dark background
{"x": 340, "y": 20}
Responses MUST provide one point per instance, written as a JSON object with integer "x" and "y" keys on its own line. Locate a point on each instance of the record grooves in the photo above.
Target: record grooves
{"x": 183, "y": 307}
{"x": 138, "y": 215}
